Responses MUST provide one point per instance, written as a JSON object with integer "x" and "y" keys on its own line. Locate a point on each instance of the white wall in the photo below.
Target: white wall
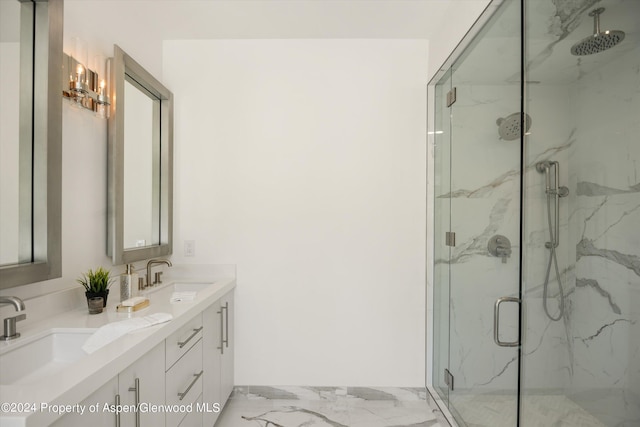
{"x": 303, "y": 162}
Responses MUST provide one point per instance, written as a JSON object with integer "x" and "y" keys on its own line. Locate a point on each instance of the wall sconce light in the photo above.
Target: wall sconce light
{"x": 78, "y": 84}
{"x": 87, "y": 88}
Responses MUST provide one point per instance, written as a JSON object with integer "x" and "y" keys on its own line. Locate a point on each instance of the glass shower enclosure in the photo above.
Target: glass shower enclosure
{"x": 534, "y": 285}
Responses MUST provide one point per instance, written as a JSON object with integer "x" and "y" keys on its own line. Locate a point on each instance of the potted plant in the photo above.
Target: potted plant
{"x": 96, "y": 283}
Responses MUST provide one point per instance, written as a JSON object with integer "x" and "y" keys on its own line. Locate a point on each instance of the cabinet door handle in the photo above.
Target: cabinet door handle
{"x": 221, "y": 348}
{"x": 195, "y": 332}
{"x": 117, "y": 412}
{"x": 226, "y": 325}
{"x": 136, "y": 389}
{"x": 184, "y": 393}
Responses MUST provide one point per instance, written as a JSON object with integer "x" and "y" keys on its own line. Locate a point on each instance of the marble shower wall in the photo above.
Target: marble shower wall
{"x": 590, "y": 107}
{"x": 546, "y": 343}
{"x": 604, "y": 169}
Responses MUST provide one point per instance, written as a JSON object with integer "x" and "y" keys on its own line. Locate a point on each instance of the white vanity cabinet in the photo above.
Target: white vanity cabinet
{"x": 218, "y": 346}
{"x": 142, "y": 384}
{"x": 107, "y": 394}
{"x": 183, "y": 378}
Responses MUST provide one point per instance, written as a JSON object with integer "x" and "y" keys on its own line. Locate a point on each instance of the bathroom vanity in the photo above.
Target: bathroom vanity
{"x": 175, "y": 373}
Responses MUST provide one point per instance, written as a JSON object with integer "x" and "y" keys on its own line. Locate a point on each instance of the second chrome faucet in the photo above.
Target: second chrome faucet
{"x": 157, "y": 280}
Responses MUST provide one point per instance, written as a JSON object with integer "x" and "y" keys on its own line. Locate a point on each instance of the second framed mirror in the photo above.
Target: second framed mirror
{"x": 140, "y": 164}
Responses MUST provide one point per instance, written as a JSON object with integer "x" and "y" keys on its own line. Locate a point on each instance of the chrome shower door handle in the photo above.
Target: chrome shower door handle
{"x": 496, "y": 322}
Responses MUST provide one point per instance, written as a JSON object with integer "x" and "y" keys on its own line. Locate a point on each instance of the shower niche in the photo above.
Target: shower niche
{"x": 539, "y": 147}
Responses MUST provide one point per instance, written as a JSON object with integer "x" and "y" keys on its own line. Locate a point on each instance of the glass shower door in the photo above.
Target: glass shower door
{"x": 484, "y": 262}
{"x": 442, "y": 225}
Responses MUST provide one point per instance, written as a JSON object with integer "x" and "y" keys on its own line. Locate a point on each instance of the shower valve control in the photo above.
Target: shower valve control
{"x": 499, "y": 246}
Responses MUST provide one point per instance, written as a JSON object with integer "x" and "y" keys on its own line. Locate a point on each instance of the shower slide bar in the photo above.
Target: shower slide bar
{"x": 556, "y": 191}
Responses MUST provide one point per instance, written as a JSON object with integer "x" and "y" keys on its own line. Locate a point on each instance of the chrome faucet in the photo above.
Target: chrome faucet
{"x": 157, "y": 279}
{"x": 10, "y": 332}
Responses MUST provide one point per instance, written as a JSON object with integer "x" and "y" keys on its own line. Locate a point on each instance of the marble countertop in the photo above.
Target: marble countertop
{"x": 77, "y": 381}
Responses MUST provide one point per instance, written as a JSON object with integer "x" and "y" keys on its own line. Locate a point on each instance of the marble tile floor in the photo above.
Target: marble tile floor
{"x": 260, "y": 406}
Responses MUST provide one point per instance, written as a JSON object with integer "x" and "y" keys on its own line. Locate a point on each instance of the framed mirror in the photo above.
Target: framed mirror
{"x": 30, "y": 141}
{"x": 140, "y": 164}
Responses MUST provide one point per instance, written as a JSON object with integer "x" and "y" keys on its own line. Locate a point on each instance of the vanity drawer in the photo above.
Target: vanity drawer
{"x": 184, "y": 383}
{"x": 193, "y": 418}
{"x": 178, "y": 343}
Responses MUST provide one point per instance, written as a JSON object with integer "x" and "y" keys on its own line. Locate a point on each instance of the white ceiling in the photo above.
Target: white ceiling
{"x": 140, "y": 26}
{"x": 213, "y": 19}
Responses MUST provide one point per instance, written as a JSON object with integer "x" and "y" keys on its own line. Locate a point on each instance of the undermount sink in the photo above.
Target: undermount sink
{"x": 181, "y": 287}
{"x": 190, "y": 287}
{"x": 37, "y": 357}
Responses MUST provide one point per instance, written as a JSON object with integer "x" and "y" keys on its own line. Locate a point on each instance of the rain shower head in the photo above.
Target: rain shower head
{"x": 599, "y": 41}
{"x": 509, "y": 128}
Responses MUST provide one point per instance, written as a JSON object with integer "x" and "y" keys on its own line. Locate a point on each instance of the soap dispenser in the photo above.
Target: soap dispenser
{"x": 128, "y": 283}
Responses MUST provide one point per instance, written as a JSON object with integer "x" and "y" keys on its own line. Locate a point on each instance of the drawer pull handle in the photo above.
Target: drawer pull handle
{"x": 117, "y": 412}
{"x": 221, "y": 348}
{"x": 136, "y": 390}
{"x": 195, "y": 332}
{"x": 226, "y": 324}
{"x": 183, "y": 394}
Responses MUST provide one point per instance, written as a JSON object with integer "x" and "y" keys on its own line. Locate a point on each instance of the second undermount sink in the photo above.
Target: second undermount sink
{"x": 180, "y": 287}
{"x": 190, "y": 287}
{"x": 29, "y": 361}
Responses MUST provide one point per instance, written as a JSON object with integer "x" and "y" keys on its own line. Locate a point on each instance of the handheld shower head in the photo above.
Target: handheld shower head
{"x": 600, "y": 40}
{"x": 544, "y": 167}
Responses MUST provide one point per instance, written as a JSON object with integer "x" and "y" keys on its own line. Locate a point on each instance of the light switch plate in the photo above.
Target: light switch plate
{"x": 189, "y": 248}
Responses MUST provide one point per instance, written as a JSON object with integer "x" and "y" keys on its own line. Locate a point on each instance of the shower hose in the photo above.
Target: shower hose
{"x": 552, "y": 259}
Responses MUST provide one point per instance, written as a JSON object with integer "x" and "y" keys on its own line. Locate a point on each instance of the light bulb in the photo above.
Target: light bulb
{"x": 79, "y": 72}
